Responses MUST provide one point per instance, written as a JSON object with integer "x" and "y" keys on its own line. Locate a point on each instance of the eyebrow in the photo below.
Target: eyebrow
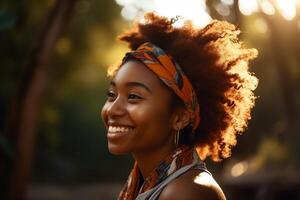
{"x": 134, "y": 84}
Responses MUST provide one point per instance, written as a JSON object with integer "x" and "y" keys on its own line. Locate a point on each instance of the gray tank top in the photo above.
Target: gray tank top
{"x": 154, "y": 193}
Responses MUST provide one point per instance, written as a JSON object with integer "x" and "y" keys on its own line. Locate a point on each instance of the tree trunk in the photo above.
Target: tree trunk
{"x": 237, "y": 14}
{"x": 285, "y": 79}
{"x": 21, "y": 126}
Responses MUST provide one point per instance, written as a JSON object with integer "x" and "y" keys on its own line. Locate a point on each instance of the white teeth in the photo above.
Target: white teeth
{"x": 118, "y": 129}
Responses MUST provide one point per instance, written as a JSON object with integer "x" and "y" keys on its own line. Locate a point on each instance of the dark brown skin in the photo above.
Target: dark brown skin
{"x": 147, "y": 112}
{"x": 145, "y": 107}
{"x": 193, "y": 185}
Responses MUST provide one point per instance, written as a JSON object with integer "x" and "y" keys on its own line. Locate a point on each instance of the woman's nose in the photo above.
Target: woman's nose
{"x": 116, "y": 108}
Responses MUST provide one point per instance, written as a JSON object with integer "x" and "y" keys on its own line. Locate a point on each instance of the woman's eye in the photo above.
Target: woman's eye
{"x": 134, "y": 96}
{"x": 110, "y": 94}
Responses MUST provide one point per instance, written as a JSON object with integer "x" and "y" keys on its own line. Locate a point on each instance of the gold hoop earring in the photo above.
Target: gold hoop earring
{"x": 176, "y": 138}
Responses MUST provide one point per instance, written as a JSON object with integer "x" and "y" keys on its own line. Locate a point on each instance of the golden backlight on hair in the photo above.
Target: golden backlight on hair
{"x": 216, "y": 63}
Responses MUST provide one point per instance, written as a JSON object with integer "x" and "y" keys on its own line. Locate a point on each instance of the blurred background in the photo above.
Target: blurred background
{"x": 53, "y": 61}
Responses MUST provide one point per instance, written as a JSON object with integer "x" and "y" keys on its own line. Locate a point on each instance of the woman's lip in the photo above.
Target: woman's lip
{"x": 116, "y": 135}
{"x": 120, "y": 125}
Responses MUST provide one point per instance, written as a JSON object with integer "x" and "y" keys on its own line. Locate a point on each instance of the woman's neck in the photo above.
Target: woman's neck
{"x": 148, "y": 161}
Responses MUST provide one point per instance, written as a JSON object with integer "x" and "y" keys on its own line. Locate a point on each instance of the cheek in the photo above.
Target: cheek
{"x": 150, "y": 116}
{"x": 137, "y": 114}
{"x": 104, "y": 112}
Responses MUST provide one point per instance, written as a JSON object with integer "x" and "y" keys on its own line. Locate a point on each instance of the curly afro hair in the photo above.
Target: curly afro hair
{"x": 216, "y": 63}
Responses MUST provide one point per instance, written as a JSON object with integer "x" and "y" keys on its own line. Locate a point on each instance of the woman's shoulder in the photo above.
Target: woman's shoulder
{"x": 193, "y": 185}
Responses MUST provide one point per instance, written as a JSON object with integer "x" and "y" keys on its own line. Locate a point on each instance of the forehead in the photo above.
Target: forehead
{"x": 135, "y": 71}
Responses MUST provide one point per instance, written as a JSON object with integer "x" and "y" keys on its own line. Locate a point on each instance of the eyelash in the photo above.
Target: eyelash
{"x": 135, "y": 96}
{"x": 111, "y": 95}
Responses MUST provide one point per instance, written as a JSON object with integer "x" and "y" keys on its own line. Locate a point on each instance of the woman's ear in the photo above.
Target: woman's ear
{"x": 181, "y": 118}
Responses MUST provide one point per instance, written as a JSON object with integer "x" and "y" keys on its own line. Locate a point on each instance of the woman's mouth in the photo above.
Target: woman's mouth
{"x": 115, "y": 132}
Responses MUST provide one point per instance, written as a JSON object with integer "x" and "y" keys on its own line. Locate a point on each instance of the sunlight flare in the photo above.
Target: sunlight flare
{"x": 267, "y": 7}
{"x": 287, "y": 8}
{"x": 247, "y": 7}
{"x": 193, "y": 10}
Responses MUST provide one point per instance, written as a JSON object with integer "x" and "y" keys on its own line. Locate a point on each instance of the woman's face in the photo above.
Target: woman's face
{"x": 138, "y": 111}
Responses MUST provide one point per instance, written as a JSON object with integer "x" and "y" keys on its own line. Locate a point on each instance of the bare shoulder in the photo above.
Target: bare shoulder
{"x": 193, "y": 185}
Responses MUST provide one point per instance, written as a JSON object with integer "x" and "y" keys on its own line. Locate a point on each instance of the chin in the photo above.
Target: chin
{"x": 117, "y": 150}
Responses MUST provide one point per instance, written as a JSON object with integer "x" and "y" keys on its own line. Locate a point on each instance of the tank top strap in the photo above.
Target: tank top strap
{"x": 201, "y": 166}
{"x": 154, "y": 193}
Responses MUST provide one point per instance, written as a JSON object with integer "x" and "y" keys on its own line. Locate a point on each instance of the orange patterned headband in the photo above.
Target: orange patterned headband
{"x": 171, "y": 74}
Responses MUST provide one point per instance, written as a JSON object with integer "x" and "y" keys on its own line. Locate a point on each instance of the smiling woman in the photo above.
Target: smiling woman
{"x": 135, "y": 105}
{"x": 180, "y": 95}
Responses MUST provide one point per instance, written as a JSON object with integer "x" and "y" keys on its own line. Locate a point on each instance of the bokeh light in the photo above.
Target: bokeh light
{"x": 267, "y": 7}
{"x": 287, "y": 8}
{"x": 193, "y": 10}
{"x": 239, "y": 168}
{"x": 247, "y": 7}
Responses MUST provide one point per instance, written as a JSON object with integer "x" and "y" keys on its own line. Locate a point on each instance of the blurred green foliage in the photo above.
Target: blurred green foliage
{"x": 71, "y": 141}
{"x": 72, "y": 144}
